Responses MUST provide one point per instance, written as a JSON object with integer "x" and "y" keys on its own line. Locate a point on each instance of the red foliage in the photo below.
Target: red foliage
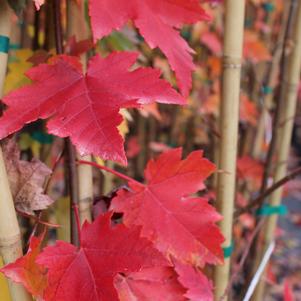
{"x": 26, "y": 271}
{"x": 156, "y": 20}
{"x": 86, "y": 107}
{"x": 250, "y": 169}
{"x": 164, "y": 207}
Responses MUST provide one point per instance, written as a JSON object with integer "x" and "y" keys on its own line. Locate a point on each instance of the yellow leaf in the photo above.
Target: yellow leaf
{"x": 26, "y": 142}
{"x": 30, "y": 32}
{"x": 123, "y": 127}
{"x": 4, "y": 292}
{"x": 16, "y": 69}
{"x": 99, "y": 161}
{"x": 62, "y": 214}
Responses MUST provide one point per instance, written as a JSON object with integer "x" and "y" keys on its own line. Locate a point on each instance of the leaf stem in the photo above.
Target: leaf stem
{"x": 54, "y": 168}
{"x": 37, "y": 219}
{"x": 78, "y": 224}
{"x": 114, "y": 172}
{"x": 58, "y": 26}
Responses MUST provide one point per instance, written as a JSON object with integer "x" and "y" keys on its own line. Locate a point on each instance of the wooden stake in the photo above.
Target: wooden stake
{"x": 233, "y": 43}
{"x": 10, "y": 236}
{"x": 76, "y": 26}
{"x": 272, "y": 76}
{"x": 290, "y": 86}
{"x": 85, "y": 190}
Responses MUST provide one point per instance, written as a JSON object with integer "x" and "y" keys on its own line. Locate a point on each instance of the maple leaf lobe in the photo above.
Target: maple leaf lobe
{"x": 157, "y": 21}
{"x": 85, "y": 107}
{"x": 164, "y": 207}
{"x": 88, "y": 273}
{"x": 25, "y": 270}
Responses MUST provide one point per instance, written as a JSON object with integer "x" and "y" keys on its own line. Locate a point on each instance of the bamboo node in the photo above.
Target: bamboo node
{"x": 232, "y": 62}
{"x": 291, "y": 87}
{"x": 87, "y": 200}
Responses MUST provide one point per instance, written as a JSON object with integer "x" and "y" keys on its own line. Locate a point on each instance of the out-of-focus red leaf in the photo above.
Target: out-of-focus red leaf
{"x": 158, "y": 147}
{"x": 75, "y": 48}
{"x": 250, "y": 169}
{"x": 38, "y": 3}
{"x": 288, "y": 292}
{"x": 151, "y": 109}
{"x": 254, "y": 48}
{"x": 133, "y": 147}
{"x": 213, "y": 42}
{"x": 248, "y": 111}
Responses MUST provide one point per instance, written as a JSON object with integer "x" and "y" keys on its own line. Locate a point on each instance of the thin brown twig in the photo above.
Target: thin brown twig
{"x": 37, "y": 219}
{"x": 40, "y": 212}
{"x": 54, "y": 168}
{"x": 279, "y": 104}
{"x": 70, "y": 151}
{"x": 112, "y": 171}
{"x": 258, "y": 201}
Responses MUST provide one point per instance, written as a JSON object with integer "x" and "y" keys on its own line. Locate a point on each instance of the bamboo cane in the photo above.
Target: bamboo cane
{"x": 292, "y": 77}
{"x": 85, "y": 190}
{"x": 4, "y": 291}
{"x": 10, "y": 236}
{"x": 76, "y": 26}
{"x": 229, "y": 117}
{"x": 271, "y": 82}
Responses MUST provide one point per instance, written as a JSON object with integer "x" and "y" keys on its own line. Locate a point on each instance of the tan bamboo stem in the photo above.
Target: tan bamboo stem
{"x": 229, "y": 118}
{"x": 85, "y": 190}
{"x": 292, "y": 77}
{"x": 76, "y": 26}
{"x": 10, "y": 236}
{"x": 108, "y": 184}
{"x": 272, "y": 81}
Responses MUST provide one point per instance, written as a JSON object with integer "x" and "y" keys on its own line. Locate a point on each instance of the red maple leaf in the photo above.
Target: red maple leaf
{"x": 27, "y": 272}
{"x": 159, "y": 283}
{"x": 248, "y": 111}
{"x": 288, "y": 294}
{"x": 179, "y": 225}
{"x": 156, "y": 21}
{"x": 76, "y": 48}
{"x": 250, "y": 169}
{"x": 199, "y": 287}
{"x": 88, "y": 273}
{"x": 86, "y": 106}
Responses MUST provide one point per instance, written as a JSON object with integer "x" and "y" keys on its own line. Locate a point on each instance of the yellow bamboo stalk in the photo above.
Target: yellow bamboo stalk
{"x": 76, "y": 26}
{"x": 4, "y": 292}
{"x": 229, "y": 118}
{"x": 272, "y": 81}
{"x": 290, "y": 86}
{"x": 85, "y": 190}
{"x": 108, "y": 183}
{"x": 10, "y": 236}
